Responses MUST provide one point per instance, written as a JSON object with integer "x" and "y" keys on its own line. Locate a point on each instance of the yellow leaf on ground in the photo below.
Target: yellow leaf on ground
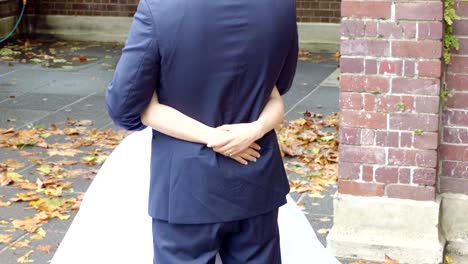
{"x": 7, "y": 178}
{"x": 448, "y": 259}
{"x": 316, "y": 195}
{"x": 5, "y": 204}
{"x": 63, "y": 152}
{"x": 20, "y": 244}
{"x": 323, "y": 231}
{"x": 5, "y": 239}
{"x": 36, "y": 237}
{"x": 40, "y": 231}
{"x": 26, "y": 185}
{"x": 25, "y": 197}
{"x": 28, "y": 224}
{"x": 25, "y": 257}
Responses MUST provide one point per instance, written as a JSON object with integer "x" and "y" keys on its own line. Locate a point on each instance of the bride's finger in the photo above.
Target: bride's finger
{"x": 255, "y": 146}
{"x": 224, "y": 151}
{"x": 253, "y": 152}
{"x": 240, "y": 160}
{"x": 248, "y": 157}
{"x": 229, "y": 147}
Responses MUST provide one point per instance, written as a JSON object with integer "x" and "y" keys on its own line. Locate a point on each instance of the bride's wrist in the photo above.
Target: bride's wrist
{"x": 208, "y": 135}
{"x": 258, "y": 129}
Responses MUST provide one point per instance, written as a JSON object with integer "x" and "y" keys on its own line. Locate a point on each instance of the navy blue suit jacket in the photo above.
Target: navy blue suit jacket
{"x": 216, "y": 61}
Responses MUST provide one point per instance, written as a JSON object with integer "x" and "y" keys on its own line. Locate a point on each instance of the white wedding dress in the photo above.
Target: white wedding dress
{"x": 113, "y": 227}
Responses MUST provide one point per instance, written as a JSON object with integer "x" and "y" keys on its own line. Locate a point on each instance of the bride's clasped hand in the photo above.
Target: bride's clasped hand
{"x": 236, "y": 141}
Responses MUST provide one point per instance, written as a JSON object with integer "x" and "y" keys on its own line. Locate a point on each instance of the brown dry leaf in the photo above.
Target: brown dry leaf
{"x": 47, "y": 205}
{"x": 26, "y": 185}
{"x": 301, "y": 206}
{"x": 37, "y": 237}
{"x": 25, "y": 257}
{"x": 314, "y": 150}
{"x": 45, "y": 248}
{"x": 20, "y": 244}
{"x": 5, "y": 239}
{"x": 76, "y": 202}
{"x": 389, "y": 260}
{"x": 76, "y": 173}
{"x": 7, "y": 178}
{"x": 304, "y": 52}
{"x": 54, "y": 191}
{"x": 83, "y": 58}
{"x": 25, "y": 153}
{"x": 295, "y": 185}
{"x": 71, "y": 131}
{"x": 26, "y": 197}
{"x": 36, "y": 160}
{"x": 63, "y": 152}
{"x": 67, "y": 162}
{"x": 7, "y": 131}
{"x": 4, "y": 179}
{"x": 28, "y": 224}
{"x": 11, "y": 163}
{"x": 48, "y": 197}
{"x": 83, "y": 123}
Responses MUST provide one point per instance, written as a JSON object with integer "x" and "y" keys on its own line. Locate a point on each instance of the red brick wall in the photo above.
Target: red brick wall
{"x": 307, "y": 10}
{"x": 453, "y": 169}
{"x": 318, "y": 11}
{"x": 83, "y": 7}
{"x": 9, "y": 8}
{"x": 389, "y": 93}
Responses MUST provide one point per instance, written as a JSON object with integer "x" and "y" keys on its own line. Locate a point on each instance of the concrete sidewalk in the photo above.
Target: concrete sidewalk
{"x": 31, "y": 94}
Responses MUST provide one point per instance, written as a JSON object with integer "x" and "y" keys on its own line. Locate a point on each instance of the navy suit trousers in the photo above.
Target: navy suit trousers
{"x": 253, "y": 240}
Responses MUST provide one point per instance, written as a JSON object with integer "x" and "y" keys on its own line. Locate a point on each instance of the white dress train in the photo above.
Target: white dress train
{"x": 113, "y": 226}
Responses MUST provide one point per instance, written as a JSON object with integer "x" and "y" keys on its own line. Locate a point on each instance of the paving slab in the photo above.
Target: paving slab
{"x": 100, "y": 119}
{"x": 307, "y": 79}
{"x": 323, "y": 100}
{"x": 322, "y": 225}
{"x": 75, "y": 84}
{"x": 9, "y": 95}
{"x": 10, "y": 256}
{"x": 21, "y": 117}
{"x": 49, "y": 102}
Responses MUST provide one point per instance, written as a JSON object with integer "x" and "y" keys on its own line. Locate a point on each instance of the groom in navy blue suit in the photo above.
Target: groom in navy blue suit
{"x": 216, "y": 61}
